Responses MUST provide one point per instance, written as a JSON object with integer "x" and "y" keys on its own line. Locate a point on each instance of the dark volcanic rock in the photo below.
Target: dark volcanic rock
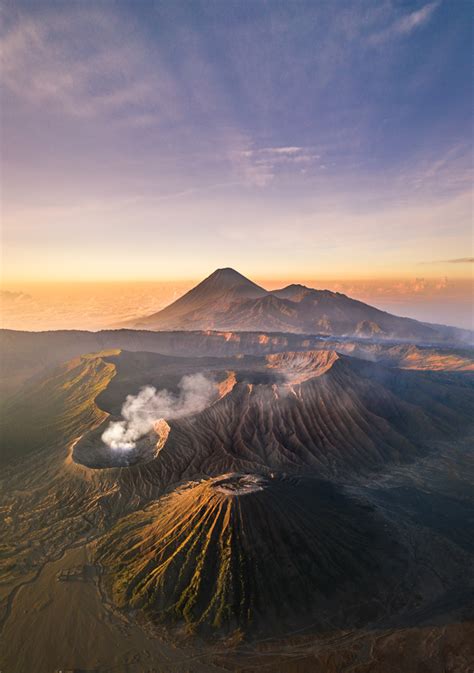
{"x": 251, "y": 554}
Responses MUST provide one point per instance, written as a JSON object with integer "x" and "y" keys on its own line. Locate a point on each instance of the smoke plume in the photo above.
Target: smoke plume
{"x": 141, "y": 411}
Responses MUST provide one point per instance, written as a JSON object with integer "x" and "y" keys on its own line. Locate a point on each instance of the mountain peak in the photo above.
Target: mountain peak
{"x": 215, "y": 293}
{"x": 228, "y": 274}
{"x": 227, "y": 270}
{"x": 227, "y": 300}
{"x": 293, "y": 292}
{"x": 229, "y": 279}
{"x": 297, "y": 286}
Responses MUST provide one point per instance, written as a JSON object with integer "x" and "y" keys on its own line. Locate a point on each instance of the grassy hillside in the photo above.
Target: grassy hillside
{"x": 56, "y": 408}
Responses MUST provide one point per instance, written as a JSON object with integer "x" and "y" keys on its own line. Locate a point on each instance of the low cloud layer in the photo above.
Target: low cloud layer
{"x": 141, "y": 411}
{"x": 457, "y": 260}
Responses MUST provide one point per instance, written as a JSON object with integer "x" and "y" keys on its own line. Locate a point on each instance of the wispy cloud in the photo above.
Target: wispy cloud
{"x": 282, "y": 151}
{"x": 259, "y": 166}
{"x": 416, "y": 19}
{"x": 177, "y": 125}
{"x": 278, "y": 153}
{"x": 406, "y": 24}
{"x": 436, "y": 174}
{"x": 457, "y": 260}
{"x": 85, "y": 63}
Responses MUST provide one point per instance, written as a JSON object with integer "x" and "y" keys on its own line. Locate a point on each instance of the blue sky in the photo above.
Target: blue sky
{"x": 163, "y": 139}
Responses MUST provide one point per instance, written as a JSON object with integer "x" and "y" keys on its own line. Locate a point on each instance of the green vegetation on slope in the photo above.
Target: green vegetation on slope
{"x": 58, "y": 407}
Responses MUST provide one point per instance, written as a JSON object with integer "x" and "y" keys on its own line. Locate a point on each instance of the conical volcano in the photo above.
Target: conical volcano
{"x": 219, "y": 290}
{"x": 228, "y": 301}
{"x": 249, "y": 553}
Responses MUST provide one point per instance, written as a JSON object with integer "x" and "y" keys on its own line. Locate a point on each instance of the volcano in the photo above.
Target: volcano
{"x": 244, "y": 551}
{"x": 321, "y": 506}
{"x": 315, "y": 411}
{"x": 221, "y": 290}
{"x": 226, "y": 300}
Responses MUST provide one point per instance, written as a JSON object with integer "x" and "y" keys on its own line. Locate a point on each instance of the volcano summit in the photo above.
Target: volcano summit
{"x": 226, "y": 300}
{"x": 243, "y": 551}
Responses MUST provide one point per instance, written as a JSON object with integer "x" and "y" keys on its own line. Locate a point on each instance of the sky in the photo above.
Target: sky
{"x": 157, "y": 141}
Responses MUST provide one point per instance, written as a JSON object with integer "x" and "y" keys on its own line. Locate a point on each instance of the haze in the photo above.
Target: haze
{"x": 69, "y": 305}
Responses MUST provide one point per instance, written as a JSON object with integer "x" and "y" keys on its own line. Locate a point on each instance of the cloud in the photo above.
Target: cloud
{"x": 285, "y": 151}
{"x": 260, "y": 166}
{"x": 141, "y": 411}
{"x": 406, "y": 24}
{"x": 436, "y": 173}
{"x": 416, "y": 19}
{"x": 86, "y": 63}
{"x": 457, "y": 260}
{"x": 9, "y": 296}
{"x": 279, "y": 153}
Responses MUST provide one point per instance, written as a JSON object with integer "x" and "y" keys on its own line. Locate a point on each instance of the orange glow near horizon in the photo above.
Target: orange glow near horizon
{"x": 459, "y": 269}
{"x": 98, "y": 305}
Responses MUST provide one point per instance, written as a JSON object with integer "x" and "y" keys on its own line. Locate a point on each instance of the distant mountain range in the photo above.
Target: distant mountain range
{"x": 226, "y": 300}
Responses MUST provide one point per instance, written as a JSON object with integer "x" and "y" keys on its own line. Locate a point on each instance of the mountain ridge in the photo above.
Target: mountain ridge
{"x": 227, "y": 300}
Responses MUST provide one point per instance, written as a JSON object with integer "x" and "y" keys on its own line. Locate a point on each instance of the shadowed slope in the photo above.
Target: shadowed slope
{"x": 348, "y": 416}
{"x": 289, "y": 411}
{"x": 219, "y": 291}
{"x": 241, "y": 551}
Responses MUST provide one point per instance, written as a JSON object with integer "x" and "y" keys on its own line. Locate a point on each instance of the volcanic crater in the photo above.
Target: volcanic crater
{"x": 235, "y": 484}
{"x": 249, "y": 554}
{"x": 92, "y": 452}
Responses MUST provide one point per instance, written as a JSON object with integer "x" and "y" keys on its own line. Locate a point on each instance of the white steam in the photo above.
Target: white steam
{"x": 141, "y": 411}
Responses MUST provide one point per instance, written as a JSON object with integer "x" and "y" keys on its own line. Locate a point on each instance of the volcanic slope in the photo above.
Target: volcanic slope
{"x": 333, "y": 414}
{"x": 50, "y": 505}
{"x": 287, "y": 411}
{"x": 57, "y": 405}
{"x": 226, "y": 300}
{"x": 216, "y": 293}
{"x": 244, "y": 551}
